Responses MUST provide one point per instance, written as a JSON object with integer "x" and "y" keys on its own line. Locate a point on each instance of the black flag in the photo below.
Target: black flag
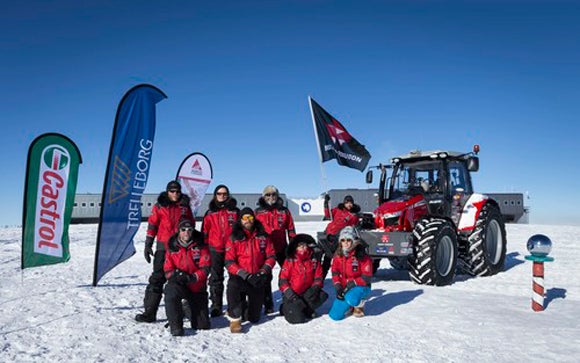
{"x": 334, "y": 142}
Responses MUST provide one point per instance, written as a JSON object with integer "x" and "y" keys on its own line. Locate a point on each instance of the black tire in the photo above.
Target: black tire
{"x": 486, "y": 245}
{"x": 399, "y": 263}
{"x": 434, "y": 258}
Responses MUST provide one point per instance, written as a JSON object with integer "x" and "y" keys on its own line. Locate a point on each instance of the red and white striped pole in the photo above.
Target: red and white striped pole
{"x": 538, "y": 286}
{"x": 539, "y": 247}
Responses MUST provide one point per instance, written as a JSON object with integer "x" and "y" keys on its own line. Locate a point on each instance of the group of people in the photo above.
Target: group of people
{"x": 248, "y": 243}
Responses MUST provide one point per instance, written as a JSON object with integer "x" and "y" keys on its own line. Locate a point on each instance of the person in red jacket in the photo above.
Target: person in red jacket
{"x": 352, "y": 270}
{"x": 300, "y": 281}
{"x": 217, "y": 227}
{"x": 171, "y": 207}
{"x": 186, "y": 268}
{"x": 343, "y": 215}
{"x": 250, "y": 257}
{"x": 278, "y": 222}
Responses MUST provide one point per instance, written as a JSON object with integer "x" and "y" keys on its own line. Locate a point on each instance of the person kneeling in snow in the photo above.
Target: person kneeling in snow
{"x": 250, "y": 257}
{"x": 187, "y": 263}
{"x": 300, "y": 281}
{"x": 352, "y": 270}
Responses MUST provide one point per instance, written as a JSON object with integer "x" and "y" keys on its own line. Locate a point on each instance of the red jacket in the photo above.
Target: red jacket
{"x": 165, "y": 217}
{"x": 194, "y": 259}
{"x": 277, "y": 221}
{"x": 342, "y": 217}
{"x": 356, "y": 266}
{"x": 218, "y": 222}
{"x": 249, "y": 252}
{"x": 300, "y": 274}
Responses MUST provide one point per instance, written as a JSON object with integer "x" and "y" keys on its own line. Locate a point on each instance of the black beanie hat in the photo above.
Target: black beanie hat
{"x": 348, "y": 198}
{"x": 219, "y": 187}
{"x": 173, "y": 185}
{"x": 185, "y": 223}
{"x": 245, "y": 211}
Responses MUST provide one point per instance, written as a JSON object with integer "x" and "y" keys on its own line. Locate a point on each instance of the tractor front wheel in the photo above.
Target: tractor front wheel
{"x": 434, "y": 258}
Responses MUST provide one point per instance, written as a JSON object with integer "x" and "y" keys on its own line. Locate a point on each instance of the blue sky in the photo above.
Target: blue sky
{"x": 399, "y": 75}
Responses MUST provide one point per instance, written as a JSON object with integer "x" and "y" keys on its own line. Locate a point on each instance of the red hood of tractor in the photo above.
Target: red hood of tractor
{"x": 400, "y": 213}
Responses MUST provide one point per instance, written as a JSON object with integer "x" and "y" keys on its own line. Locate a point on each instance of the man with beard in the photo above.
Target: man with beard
{"x": 278, "y": 222}
{"x": 250, "y": 258}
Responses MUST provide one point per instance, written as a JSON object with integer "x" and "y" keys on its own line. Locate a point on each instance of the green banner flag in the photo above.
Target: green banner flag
{"x": 49, "y": 193}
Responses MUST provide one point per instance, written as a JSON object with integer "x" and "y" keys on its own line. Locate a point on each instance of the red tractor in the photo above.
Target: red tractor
{"x": 430, "y": 220}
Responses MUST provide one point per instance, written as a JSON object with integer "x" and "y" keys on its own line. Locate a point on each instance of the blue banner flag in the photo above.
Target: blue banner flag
{"x": 126, "y": 178}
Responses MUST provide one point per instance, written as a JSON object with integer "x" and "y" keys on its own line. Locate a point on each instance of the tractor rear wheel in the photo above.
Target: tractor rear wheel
{"x": 486, "y": 246}
{"x": 434, "y": 258}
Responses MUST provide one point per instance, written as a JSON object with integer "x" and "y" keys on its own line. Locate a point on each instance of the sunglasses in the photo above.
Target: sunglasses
{"x": 346, "y": 240}
{"x": 174, "y": 191}
{"x": 224, "y": 194}
{"x": 186, "y": 229}
{"x": 270, "y": 195}
{"x": 247, "y": 217}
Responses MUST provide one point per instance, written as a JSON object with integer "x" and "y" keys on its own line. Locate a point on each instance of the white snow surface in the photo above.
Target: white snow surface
{"x": 53, "y": 313}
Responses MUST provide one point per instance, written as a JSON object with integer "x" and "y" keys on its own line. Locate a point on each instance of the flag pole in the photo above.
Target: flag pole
{"x": 322, "y": 171}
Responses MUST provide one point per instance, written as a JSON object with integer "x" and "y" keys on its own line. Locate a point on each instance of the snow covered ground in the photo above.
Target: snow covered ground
{"x": 53, "y": 313}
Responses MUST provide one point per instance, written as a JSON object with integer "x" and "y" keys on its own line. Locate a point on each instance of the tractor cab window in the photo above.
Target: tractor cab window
{"x": 420, "y": 177}
{"x": 458, "y": 180}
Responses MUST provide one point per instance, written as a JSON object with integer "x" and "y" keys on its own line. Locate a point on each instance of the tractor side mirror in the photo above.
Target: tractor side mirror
{"x": 473, "y": 163}
{"x": 369, "y": 177}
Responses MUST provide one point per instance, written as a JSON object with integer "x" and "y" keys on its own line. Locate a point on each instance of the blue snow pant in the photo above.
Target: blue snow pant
{"x": 352, "y": 298}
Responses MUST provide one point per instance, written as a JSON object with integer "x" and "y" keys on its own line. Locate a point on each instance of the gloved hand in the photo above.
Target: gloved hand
{"x": 290, "y": 295}
{"x": 254, "y": 280}
{"x": 263, "y": 277}
{"x": 182, "y": 278}
{"x": 326, "y": 197}
{"x": 259, "y": 279}
{"x": 148, "y": 248}
{"x": 339, "y": 292}
{"x": 349, "y": 285}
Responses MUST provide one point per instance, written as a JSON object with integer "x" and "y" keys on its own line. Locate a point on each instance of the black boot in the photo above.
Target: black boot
{"x": 217, "y": 298}
{"x": 268, "y": 299}
{"x": 151, "y": 303}
{"x": 268, "y": 304}
{"x": 176, "y": 328}
{"x": 186, "y": 309}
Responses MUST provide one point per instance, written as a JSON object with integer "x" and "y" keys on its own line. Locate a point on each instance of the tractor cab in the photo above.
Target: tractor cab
{"x": 434, "y": 183}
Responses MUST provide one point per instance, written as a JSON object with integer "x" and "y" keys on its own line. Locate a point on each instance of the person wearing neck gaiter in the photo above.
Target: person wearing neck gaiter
{"x": 300, "y": 281}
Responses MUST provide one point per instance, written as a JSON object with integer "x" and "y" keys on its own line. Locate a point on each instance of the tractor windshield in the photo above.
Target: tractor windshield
{"x": 414, "y": 178}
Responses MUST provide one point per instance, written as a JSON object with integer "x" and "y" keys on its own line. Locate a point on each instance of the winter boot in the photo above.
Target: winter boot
{"x": 151, "y": 303}
{"x": 236, "y": 326}
{"x": 186, "y": 309}
{"x": 176, "y": 328}
{"x": 358, "y": 312}
{"x": 216, "y": 297}
{"x": 268, "y": 300}
{"x": 215, "y": 311}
